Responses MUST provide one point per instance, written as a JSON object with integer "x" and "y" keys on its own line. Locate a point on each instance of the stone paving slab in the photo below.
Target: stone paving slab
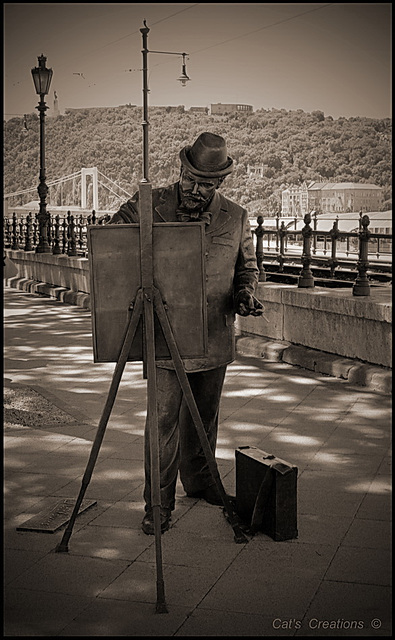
{"x": 338, "y": 434}
{"x": 106, "y": 617}
{"x": 348, "y": 608}
{"x": 36, "y": 613}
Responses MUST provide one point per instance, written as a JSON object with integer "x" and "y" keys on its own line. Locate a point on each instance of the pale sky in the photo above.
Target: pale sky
{"x": 332, "y": 57}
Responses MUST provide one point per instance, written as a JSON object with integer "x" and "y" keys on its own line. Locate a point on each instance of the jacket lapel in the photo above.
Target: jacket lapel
{"x": 220, "y": 215}
{"x": 168, "y": 204}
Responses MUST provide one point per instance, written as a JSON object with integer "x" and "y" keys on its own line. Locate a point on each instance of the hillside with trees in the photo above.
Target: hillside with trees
{"x": 292, "y": 147}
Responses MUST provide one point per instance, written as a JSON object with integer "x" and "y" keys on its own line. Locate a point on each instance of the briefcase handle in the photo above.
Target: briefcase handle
{"x": 281, "y": 467}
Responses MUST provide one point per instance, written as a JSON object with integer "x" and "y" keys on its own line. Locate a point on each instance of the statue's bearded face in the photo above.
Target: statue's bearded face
{"x": 196, "y": 191}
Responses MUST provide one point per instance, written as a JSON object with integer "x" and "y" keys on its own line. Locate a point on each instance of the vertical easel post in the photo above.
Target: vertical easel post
{"x": 147, "y": 282}
{"x": 145, "y": 123}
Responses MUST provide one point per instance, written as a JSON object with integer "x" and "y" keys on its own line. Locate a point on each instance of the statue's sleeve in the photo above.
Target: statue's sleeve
{"x": 127, "y": 212}
{"x": 246, "y": 270}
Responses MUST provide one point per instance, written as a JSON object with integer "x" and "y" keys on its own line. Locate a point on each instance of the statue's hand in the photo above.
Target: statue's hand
{"x": 248, "y": 305}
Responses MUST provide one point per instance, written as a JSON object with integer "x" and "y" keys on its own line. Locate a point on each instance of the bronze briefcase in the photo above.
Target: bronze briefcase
{"x": 266, "y": 493}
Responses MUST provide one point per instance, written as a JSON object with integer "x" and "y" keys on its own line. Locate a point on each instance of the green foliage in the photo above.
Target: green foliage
{"x": 293, "y": 146}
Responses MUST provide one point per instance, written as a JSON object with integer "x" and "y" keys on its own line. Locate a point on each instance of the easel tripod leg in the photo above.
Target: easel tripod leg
{"x": 152, "y": 420}
{"x": 120, "y": 366}
{"x": 194, "y": 411}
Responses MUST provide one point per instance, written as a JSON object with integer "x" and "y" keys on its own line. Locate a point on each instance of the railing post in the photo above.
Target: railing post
{"x": 35, "y": 230}
{"x": 281, "y": 257}
{"x": 277, "y": 228}
{"x": 361, "y": 286}
{"x": 71, "y": 247}
{"x": 50, "y": 230}
{"x": 21, "y": 230}
{"x": 14, "y": 234}
{"x": 28, "y": 233}
{"x": 334, "y": 233}
{"x": 81, "y": 233}
{"x": 7, "y": 232}
{"x": 314, "y": 235}
{"x": 64, "y": 234}
{"x": 56, "y": 248}
{"x": 306, "y": 279}
{"x": 259, "y": 233}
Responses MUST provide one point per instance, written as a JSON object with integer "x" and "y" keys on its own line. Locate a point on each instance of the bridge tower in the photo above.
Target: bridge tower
{"x": 84, "y": 173}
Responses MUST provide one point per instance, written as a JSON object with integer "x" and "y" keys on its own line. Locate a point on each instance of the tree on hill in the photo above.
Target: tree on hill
{"x": 292, "y": 146}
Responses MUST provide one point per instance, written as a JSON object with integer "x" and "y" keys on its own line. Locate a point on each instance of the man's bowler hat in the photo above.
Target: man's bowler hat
{"x": 207, "y": 157}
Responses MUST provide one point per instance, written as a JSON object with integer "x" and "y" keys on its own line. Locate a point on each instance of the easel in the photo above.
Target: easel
{"x": 147, "y": 304}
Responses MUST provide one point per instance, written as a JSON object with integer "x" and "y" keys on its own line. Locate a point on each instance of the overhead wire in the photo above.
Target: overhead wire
{"x": 216, "y": 44}
{"x": 243, "y": 35}
{"x": 128, "y": 35}
{"x": 268, "y": 26}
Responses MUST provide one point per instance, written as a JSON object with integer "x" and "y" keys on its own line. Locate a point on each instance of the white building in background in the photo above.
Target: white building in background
{"x": 256, "y": 170}
{"x": 331, "y": 197}
{"x": 220, "y": 109}
{"x": 54, "y": 112}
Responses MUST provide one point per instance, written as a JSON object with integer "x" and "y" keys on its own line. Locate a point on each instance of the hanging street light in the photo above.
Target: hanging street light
{"x": 42, "y": 77}
{"x": 184, "y": 76}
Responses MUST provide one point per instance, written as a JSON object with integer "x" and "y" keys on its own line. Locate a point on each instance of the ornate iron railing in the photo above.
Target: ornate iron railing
{"x": 334, "y": 251}
{"x": 67, "y": 233}
{"x": 361, "y": 251}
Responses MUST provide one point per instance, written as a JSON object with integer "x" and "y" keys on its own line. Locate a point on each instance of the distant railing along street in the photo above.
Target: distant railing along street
{"x": 334, "y": 254}
{"x": 281, "y": 251}
{"x": 67, "y": 234}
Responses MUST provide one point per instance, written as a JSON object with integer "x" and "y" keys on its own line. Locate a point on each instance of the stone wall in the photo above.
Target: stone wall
{"x": 328, "y": 320}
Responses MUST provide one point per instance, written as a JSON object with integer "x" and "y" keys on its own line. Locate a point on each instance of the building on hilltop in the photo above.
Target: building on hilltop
{"x": 170, "y": 109}
{"x": 222, "y": 109}
{"x": 198, "y": 109}
{"x": 255, "y": 170}
{"x": 330, "y": 197}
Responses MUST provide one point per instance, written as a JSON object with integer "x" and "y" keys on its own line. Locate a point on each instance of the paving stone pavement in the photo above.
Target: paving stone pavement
{"x": 333, "y": 580}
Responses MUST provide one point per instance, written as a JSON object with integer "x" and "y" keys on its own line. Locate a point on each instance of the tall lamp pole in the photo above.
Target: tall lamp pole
{"x": 42, "y": 80}
{"x": 147, "y": 283}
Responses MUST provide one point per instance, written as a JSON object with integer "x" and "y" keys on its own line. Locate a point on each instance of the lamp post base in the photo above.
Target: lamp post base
{"x": 43, "y": 248}
{"x": 361, "y": 288}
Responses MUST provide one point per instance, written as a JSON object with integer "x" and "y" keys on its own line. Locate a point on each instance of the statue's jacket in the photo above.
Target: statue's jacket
{"x": 230, "y": 266}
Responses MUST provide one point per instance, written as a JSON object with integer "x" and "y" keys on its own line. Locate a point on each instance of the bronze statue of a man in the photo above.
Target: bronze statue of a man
{"x": 232, "y": 276}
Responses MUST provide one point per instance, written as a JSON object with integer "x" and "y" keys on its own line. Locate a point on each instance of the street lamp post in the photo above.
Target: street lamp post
{"x": 42, "y": 80}
{"x": 147, "y": 284}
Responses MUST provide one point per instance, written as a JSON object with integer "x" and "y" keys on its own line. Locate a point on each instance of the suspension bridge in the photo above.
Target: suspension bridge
{"x": 85, "y": 190}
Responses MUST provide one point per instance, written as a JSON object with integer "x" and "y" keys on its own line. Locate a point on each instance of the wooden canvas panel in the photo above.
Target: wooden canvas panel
{"x": 179, "y": 274}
